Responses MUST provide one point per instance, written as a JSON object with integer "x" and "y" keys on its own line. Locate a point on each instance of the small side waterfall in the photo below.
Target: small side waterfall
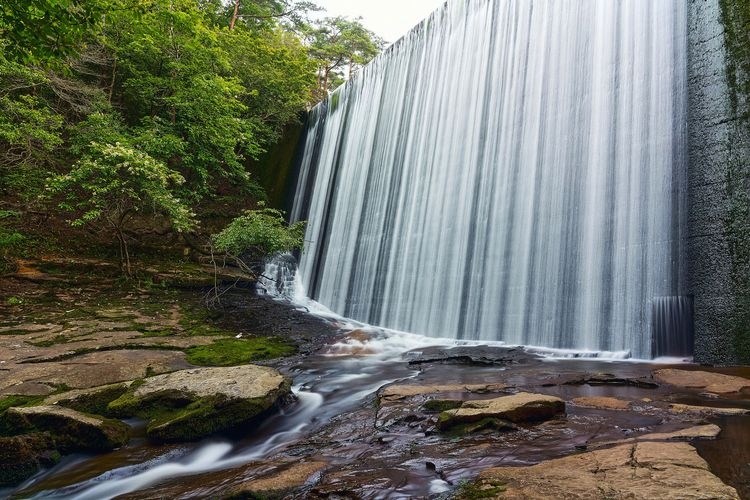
{"x": 510, "y": 170}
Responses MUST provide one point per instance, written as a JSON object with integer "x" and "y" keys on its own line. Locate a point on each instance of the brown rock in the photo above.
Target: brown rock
{"x": 93, "y": 369}
{"x": 22, "y": 456}
{"x": 642, "y": 470}
{"x": 71, "y": 430}
{"x": 521, "y": 407}
{"x": 289, "y": 479}
{"x": 709, "y": 431}
{"x": 708, "y": 381}
{"x": 602, "y": 403}
{"x": 707, "y": 410}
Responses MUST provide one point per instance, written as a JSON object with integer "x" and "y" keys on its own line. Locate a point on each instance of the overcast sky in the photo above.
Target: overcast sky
{"x": 390, "y": 19}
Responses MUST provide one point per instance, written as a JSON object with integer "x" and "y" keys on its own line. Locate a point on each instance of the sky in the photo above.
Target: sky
{"x": 389, "y": 19}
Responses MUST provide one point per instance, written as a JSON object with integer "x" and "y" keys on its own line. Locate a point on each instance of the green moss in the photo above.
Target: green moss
{"x": 233, "y": 352}
{"x": 476, "y": 490}
{"x": 440, "y": 405}
{"x": 96, "y": 402}
{"x": 735, "y": 18}
{"x": 202, "y": 418}
{"x": 456, "y": 428}
{"x": 174, "y": 416}
{"x": 69, "y": 434}
{"x": 19, "y": 401}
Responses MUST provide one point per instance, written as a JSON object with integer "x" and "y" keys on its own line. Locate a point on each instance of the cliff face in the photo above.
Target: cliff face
{"x": 718, "y": 242}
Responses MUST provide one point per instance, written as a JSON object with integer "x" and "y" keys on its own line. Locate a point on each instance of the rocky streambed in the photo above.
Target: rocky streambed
{"x": 370, "y": 414}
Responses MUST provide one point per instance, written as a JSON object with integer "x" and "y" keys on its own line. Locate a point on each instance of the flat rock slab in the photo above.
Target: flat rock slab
{"x": 239, "y": 382}
{"x": 70, "y": 429}
{"x": 521, "y": 407}
{"x": 602, "y": 403}
{"x": 716, "y": 383}
{"x": 397, "y": 392}
{"x": 290, "y": 478}
{"x": 640, "y": 470}
{"x": 191, "y": 404}
{"x": 89, "y": 370}
{"x": 708, "y": 410}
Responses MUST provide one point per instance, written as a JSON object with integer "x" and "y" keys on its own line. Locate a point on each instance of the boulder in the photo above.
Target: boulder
{"x": 71, "y": 430}
{"x": 192, "y": 404}
{"x": 521, "y": 407}
{"x": 602, "y": 403}
{"x": 716, "y": 383}
{"x": 640, "y": 470}
{"x": 22, "y": 456}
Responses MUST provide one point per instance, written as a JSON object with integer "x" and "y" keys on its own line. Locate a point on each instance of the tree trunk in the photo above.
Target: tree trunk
{"x": 235, "y": 14}
{"x": 112, "y": 83}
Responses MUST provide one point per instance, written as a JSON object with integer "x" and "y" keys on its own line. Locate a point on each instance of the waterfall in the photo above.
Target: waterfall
{"x": 510, "y": 170}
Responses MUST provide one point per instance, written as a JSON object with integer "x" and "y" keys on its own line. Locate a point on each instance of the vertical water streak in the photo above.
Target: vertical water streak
{"x": 510, "y": 170}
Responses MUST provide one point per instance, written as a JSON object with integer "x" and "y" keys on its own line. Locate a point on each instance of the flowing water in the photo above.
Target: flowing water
{"x": 510, "y": 170}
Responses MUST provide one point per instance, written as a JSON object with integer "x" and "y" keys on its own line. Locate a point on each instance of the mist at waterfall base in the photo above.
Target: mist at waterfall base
{"x": 511, "y": 170}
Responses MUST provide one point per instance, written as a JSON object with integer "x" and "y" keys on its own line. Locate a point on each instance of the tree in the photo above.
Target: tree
{"x": 279, "y": 77}
{"x": 113, "y": 183}
{"x": 340, "y": 46}
{"x": 259, "y": 233}
{"x": 42, "y": 31}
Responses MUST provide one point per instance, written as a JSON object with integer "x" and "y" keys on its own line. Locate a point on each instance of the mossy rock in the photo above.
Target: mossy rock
{"x": 439, "y": 405}
{"x": 489, "y": 424}
{"x": 70, "y": 429}
{"x": 192, "y": 404}
{"x": 94, "y": 401}
{"x": 518, "y": 408}
{"x": 23, "y": 456}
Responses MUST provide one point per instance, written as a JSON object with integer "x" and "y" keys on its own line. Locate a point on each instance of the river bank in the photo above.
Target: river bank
{"x": 366, "y": 418}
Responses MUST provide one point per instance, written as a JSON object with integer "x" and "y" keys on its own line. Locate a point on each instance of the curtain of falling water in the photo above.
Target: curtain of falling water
{"x": 510, "y": 170}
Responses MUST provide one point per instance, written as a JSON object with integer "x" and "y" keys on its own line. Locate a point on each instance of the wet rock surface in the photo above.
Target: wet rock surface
{"x": 640, "y": 470}
{"x": 365, "y": 420}
{"x": 23, "y": 456}
{"x": 192, "y": 404}
{"x": 472, "y": 355}
{"x": 72, "y": 430}
{"x": 716, "y": 383}
{"x": 518, "y": 408}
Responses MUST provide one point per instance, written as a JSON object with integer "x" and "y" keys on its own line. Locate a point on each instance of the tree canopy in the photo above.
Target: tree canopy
{"x": 112, "y": 107}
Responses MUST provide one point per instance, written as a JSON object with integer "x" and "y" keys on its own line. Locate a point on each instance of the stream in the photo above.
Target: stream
{"x": 385, "y": 452}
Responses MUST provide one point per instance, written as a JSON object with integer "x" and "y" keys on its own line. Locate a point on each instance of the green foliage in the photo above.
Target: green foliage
{"x": 174, "y": 84}
{"x": 40, "y": 31}
{"x": 233, "y": 352}
{"x": 30, "y": 129}
{"x": 10, "y": 238}
{"x": 274, "y": 67}
{"x": 117, "y": 180}
{"x": 141, "y": 108}
{"x": 340, "y": 46}
{"x": 260, "y": 233}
